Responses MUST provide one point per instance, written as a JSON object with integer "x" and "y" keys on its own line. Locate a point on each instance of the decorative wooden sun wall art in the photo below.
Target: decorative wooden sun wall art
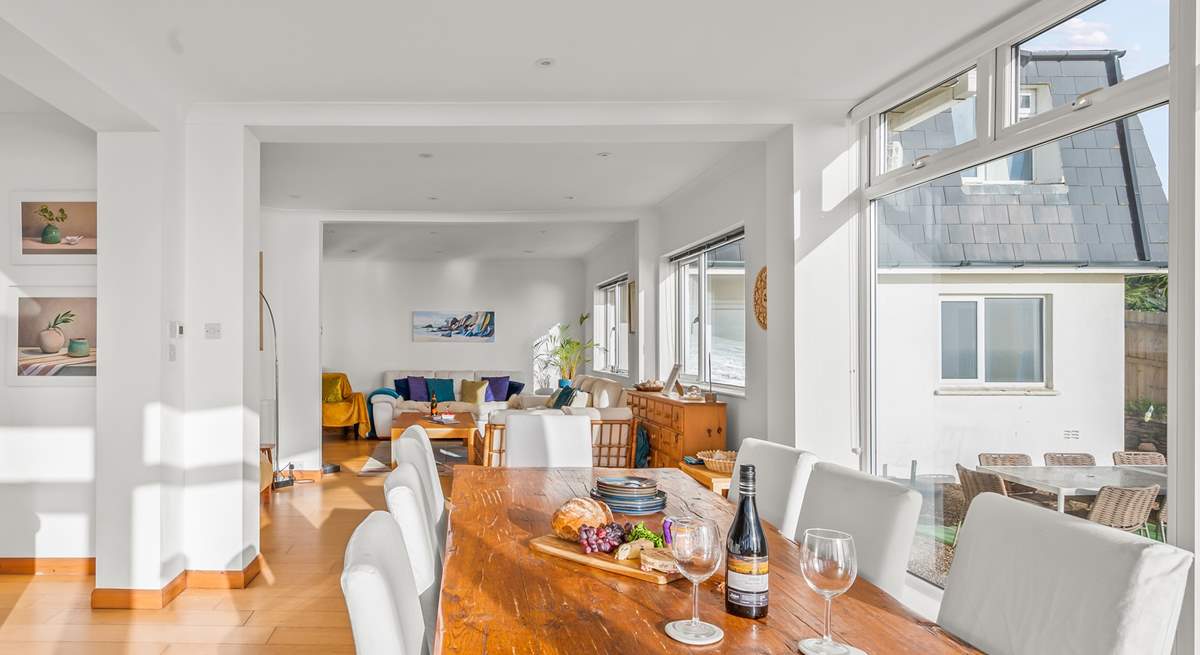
{"x": 760, "y": 298}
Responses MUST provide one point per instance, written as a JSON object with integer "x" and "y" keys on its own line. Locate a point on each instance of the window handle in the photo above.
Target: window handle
{"x": 919, "y": 162}
{"x": 1084, "y": 100}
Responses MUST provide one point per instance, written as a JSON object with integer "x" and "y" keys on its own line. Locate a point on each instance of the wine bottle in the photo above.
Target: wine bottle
{"x": 433, "y": 410}
{"x": 746, "y": 589}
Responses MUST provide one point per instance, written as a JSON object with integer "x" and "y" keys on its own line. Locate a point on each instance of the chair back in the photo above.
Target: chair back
{"x": 1069, "y": 459}
{"x": 414, "y": 447}
{"x": 977, "y": 482}
{"x": 881, "y": 516}
{"x": 405, "y": 495}
{"x": 781, "y": 474}
{"x": 381, "y": 594}
{"x": 1005, "y": 459}
{"x": 547, "y": 440}
{"x": 1016, "y": 565}
{"x": 1139, "y": 458}
{"x": 1123, "y": 508}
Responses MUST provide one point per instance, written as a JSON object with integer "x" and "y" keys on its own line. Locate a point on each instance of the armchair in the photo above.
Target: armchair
{"x": 341, "y": 406}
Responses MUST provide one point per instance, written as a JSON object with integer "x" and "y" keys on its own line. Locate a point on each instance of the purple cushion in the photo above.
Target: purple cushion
{"x": 497, "y": 388}
{"x": 418, "y": 389}
{"x": 402, "y": 387}
{"x": 514, "y": 388}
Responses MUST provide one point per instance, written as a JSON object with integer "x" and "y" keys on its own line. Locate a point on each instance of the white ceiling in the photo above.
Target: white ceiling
{"x": 441, "y": 241}
{"x": 479, "y": 176}
{"x": 426, "y": 50}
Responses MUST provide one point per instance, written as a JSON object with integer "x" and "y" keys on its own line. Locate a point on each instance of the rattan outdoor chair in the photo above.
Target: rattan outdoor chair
{"x": 1124, "y": 508}
{"x": 1162, "y": 520}
{"x": 1139, "y": 458}
{"x": 975, "y": 483}
{"x": 1069, "y": 459}
{"x": 1016, "y": 490}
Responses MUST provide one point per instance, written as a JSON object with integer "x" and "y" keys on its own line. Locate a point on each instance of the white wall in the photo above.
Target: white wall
{"x": 366, "y": 312}
{"x": 1086, "y": 354}
{"x": 47, "y": 434}
{"x": 617, "y": 255}
{"x": 731, "y": 193}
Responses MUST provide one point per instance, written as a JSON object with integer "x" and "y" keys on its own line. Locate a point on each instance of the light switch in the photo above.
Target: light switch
{"x": 212, "y": 330}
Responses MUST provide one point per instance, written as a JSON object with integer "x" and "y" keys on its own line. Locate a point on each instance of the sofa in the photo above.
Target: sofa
{"x": 604, "y": 401}
{"x": 385, "y": 408}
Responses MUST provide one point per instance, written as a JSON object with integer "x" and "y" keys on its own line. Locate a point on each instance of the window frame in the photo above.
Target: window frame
{"x": 611, "y": 324}
{"x": 980, "y": 381}
{"x": 702, "y": 376}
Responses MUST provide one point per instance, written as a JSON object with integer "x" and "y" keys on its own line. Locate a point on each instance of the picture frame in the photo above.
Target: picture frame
{"x": 672, "y": 380}
{"x": 24, "y": 317}
{"x": 26, "y": 250}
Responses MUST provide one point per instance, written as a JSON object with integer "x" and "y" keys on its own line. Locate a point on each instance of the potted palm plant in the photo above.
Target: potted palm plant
{"x": 561, "y": 351}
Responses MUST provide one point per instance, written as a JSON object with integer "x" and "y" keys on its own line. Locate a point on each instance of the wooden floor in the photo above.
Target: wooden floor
{"x": 295, "y": 606}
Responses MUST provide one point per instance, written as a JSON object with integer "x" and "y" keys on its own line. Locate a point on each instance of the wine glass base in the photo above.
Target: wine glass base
{"x": 818, "y": 646}
{"x": 701, "y": 634}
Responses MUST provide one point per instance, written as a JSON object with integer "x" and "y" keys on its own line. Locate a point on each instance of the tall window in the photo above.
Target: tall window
{"x": 711, "y": 312}
{"x": 613, "y": 323}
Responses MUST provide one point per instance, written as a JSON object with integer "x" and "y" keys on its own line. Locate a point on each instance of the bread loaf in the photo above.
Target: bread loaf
{"x": 576, "y": 513}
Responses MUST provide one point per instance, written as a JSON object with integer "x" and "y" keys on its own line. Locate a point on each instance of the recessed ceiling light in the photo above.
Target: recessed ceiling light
{"x": 354, "y": 250}
{"x": 439, "y": 252}
{"x": 294, "y": 196}
{"x": 527, "y": 252}
{"x": 433, "y": 232}
{"x": 425, "y": 155}
{"x": 432, "y": 197}
{"x": 544, "y": 62}
{"x": 541, "y": 231}
{"x": 568, "y": 197}
{"x": 604, "y": 154}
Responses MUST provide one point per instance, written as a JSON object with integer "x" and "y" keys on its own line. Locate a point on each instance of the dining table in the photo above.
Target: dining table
{"x": 500, "y": 596}
{"x": 1067, "y": 481}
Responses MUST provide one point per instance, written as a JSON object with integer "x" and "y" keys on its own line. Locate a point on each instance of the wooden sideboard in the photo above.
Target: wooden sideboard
{"x": 676, "y": 427}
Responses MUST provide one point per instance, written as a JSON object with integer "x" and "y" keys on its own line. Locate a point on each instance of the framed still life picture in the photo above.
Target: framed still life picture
{"x": 51, "y": 336}
{"x": 54, "y": 227}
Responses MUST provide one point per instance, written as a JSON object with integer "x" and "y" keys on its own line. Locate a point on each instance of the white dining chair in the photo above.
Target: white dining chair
{"x": 405, "y": 495}
{"x": 414, "y": 447}
{"x": 880, "y": 514}
{"x": 380, "y": 591}
{"x": 547, "y": 440}
{"x": 1033, "y": 582}
{"x": 781, "y": 475}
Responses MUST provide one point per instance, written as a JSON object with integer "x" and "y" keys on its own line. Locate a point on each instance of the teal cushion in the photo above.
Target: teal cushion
{"x": 443, "y": 388}
{"x": 564, "y": 398}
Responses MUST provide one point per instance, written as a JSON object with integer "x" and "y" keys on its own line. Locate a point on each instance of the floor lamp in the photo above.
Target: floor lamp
{"x": 277, "y": 482}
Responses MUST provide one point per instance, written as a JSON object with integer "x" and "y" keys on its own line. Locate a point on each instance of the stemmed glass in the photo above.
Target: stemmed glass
{"x": 696, "y": 545}
{"x": 829, "y": 565}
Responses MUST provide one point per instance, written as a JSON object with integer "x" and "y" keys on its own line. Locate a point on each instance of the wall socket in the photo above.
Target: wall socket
{"x": 212, "y": 330}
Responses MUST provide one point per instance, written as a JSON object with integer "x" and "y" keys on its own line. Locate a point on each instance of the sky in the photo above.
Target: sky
{"x": 1139, "y": 27}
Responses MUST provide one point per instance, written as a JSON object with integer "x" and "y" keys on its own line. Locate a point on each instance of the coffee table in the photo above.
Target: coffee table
{"x": 462, "y": 429}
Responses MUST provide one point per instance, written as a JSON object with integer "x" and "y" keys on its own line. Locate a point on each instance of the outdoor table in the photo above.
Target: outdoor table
{"x": 1064, "y": 481}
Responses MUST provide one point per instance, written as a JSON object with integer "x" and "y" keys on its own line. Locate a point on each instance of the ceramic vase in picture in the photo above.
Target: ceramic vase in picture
{"x": 51, "y": 234}
{"x": 51, "y": 341}
{"x": 78, "y": 348}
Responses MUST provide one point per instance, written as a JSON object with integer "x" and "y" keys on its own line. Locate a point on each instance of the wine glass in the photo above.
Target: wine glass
{"x": 696, "y": 545}
{"x": 829, "y": 565}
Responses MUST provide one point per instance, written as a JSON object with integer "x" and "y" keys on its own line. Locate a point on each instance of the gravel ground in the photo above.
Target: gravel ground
{"x": 930, "y": 557}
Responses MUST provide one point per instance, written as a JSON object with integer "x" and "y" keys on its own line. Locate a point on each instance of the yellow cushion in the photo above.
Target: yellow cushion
{"x": 331, "y": 389}
{"x": 474, "y": 391}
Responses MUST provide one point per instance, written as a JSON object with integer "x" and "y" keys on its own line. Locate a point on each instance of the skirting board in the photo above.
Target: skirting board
{"x": 152, "y": 599}
{"x": 47, "y": 565}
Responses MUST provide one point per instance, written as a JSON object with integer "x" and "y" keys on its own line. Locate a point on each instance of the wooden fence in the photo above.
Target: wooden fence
{"x": 1146, "y": 357}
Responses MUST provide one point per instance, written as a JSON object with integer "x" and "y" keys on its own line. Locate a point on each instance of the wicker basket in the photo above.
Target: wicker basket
{"x": 715, "y": 460}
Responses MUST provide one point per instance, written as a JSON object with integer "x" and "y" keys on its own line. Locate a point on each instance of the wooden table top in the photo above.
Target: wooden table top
{"x": 498, "y": 596}
{"x": 715, "y": 481}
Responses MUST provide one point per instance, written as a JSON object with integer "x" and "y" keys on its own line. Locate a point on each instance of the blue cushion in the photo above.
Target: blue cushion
{"x": 442, "y": 387}
{"x": 402, "y": 387}
{"x": 514, "y": 388}
{"x": 564, "y": 397}
{"x": 418, "y": 389}
{"x": 497, "y": 388}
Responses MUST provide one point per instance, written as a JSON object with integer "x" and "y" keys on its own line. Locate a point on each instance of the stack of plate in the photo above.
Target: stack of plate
{"x": 630, "y": 495}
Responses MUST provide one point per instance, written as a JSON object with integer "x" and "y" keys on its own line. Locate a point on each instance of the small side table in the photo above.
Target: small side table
{"x": 717, "y": 482}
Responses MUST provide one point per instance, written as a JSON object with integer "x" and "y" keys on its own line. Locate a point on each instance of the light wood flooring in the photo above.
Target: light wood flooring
{"x": 294, "y": 606}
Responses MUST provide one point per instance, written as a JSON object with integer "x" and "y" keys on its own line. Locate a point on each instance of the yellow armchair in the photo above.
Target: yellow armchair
{"x": 343, "y": 407}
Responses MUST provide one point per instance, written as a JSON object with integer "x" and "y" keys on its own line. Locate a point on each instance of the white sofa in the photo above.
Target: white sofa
{"x": 385, "y": 408}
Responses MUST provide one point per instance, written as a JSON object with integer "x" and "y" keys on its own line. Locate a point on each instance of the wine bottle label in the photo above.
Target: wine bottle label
{"x": 746, "y": 580}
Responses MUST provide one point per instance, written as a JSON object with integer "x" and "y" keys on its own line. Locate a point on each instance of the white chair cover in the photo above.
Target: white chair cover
{"x": 405, "y": 494}
{"x": 881, "y": 516}
{"x": 381, "y": 594}
{"x": 1035, "y": 582}
{"x": 414, "y": 447}
{"x": 781, "y": 475}
{"x": 532, "y": 440}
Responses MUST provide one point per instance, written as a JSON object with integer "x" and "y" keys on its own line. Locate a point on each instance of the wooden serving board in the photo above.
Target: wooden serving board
{"x": 552, "y": 545}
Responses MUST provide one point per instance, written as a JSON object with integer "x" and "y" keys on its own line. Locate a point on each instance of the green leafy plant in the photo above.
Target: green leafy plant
{"x": 560, "y": 350}
{"x": 49, "y": 215}
{"x": 1146, "y": 293}
{"x": 60, "y": 320}
{"x": 1148, "y": 410}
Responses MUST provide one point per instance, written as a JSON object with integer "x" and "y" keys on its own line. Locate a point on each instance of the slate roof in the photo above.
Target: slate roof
{"x": 1084, "y": 219}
